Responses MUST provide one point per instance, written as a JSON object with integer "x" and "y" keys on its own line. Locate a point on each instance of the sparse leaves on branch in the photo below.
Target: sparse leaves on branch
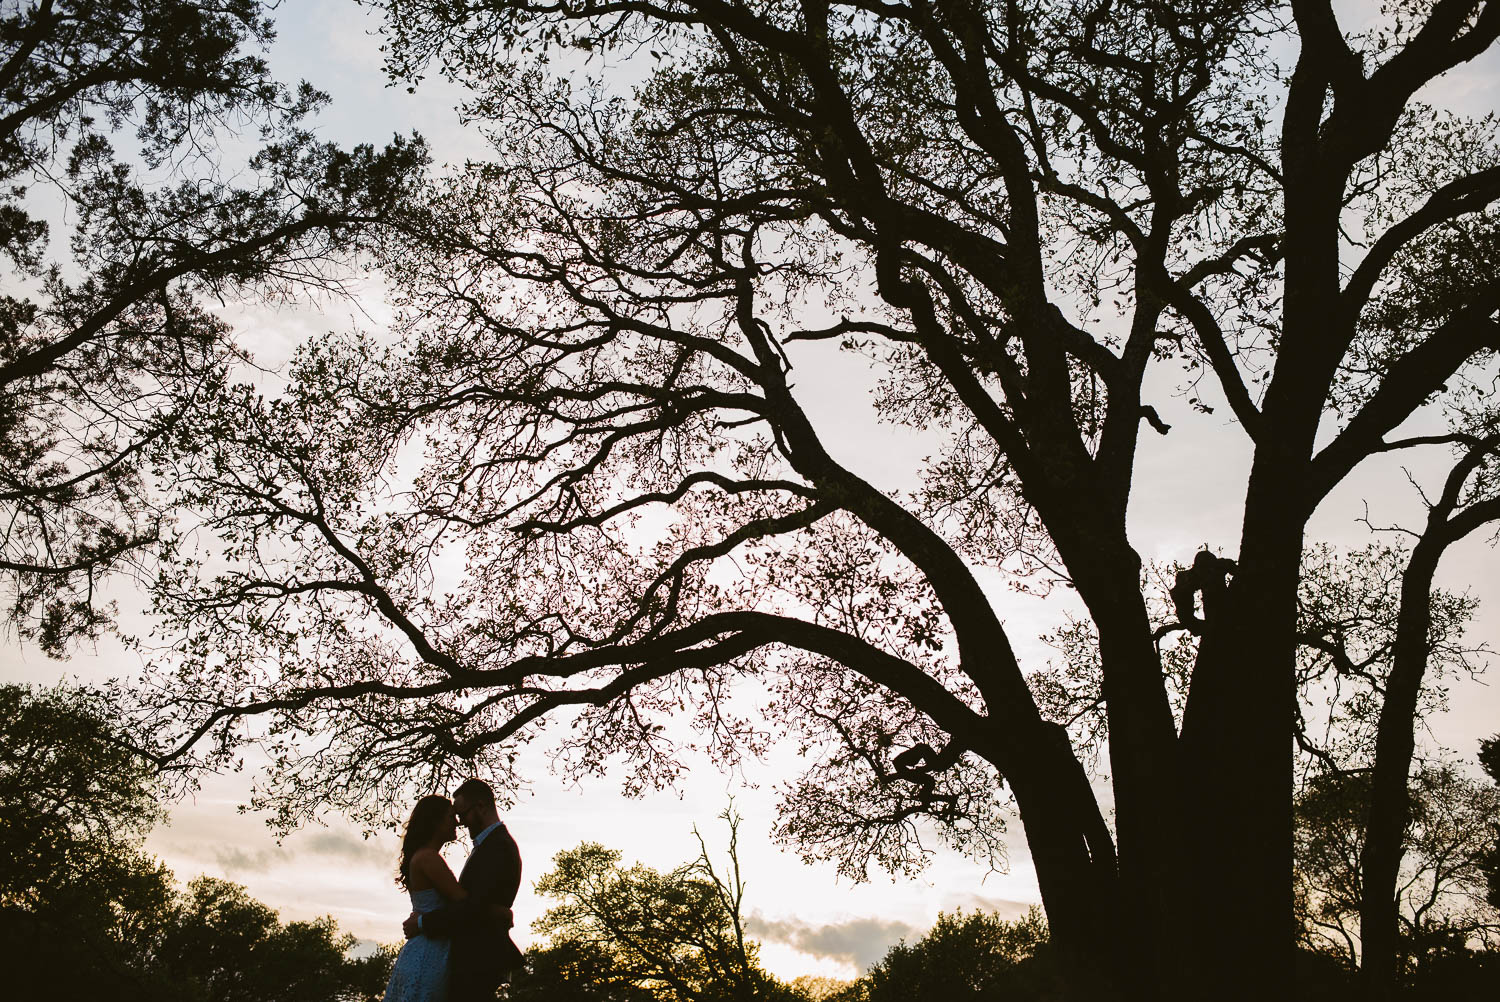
{"x": 107, "y": 357}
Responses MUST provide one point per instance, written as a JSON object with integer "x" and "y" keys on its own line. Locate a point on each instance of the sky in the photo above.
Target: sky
{"x": 808, "y": 920}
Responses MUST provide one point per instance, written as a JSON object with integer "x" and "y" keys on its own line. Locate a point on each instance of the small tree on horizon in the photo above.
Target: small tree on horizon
{"x": 635, "y": 933}
{"x": 976, "y": 956}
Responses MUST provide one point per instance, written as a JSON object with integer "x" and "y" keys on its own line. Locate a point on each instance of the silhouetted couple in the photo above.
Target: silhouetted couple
{"x": 458, "y": 946}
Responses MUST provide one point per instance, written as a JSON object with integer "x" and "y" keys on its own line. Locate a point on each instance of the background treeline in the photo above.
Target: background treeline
{"x": 86, "y": 913}
{"x": 634, "y": 934}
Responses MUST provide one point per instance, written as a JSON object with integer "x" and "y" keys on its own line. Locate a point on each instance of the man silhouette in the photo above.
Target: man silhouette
{"x": 483, "y": 955}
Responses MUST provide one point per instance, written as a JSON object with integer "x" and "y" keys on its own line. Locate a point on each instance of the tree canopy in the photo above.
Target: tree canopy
{"x": 76, "y": 796}
{"x": 224, "y": 946}
{"x": 1033, "y": 220}
{"x": 106, "y": 356}
{"x": 1441, "y": 892}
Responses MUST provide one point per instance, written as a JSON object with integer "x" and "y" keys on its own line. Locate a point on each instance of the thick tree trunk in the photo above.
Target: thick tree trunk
{"x": 1085, "y": 509}
{"x": 1238, "y": 759}
{"x": 1237, "y": 741}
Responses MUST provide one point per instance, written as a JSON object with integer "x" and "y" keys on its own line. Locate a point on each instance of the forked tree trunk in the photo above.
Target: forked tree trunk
{"x": 1237, "y": 738}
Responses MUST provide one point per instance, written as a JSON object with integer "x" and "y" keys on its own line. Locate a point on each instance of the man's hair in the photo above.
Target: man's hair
{"x": 475, "y": 791}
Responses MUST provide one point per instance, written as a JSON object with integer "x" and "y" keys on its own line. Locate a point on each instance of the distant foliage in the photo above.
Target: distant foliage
{"x": 225, "y": 946}
{"x": 1489, "y": 759}
{"x": 967, "y": 956}
{"x": 634, "y": 933}
{"x": 86, "y": 913}
{"x": 816, "y": 988}
{"x": 1441, "y": 893}
{"x": 76, "y": 799}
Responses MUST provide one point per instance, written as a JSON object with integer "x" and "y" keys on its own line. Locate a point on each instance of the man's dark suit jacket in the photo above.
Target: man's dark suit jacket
{"x": 483, "y": 955}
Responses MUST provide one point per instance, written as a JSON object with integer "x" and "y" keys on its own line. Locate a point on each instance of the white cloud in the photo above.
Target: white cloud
{"x": 235, "y": 861}
{"x": 330, "y": 844}
{"x": 858, "y": 941}
{"x": 1002, "y": 907}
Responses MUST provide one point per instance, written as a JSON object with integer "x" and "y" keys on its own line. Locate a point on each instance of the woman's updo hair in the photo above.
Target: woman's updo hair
{"x": 427, "y": 818}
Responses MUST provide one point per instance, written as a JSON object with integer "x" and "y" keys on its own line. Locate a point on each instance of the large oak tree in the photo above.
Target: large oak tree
{"x": 1027, "y": 217}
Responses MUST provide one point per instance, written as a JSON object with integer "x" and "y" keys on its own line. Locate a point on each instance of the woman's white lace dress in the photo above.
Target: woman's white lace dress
{"x": 421, "y": 971}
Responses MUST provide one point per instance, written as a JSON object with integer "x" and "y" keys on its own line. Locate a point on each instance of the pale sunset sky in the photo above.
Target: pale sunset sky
{"x": 1188, "y": 490}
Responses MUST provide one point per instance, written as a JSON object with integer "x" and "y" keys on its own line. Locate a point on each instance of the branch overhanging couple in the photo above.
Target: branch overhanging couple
{"x": 458, "y": 946}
